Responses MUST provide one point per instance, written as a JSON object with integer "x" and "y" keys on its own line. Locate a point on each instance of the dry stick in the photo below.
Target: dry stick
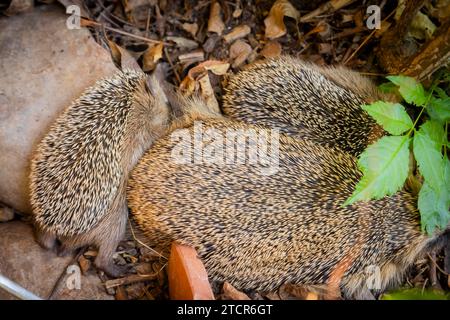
{"x": 330, "y": 6}
{"x": 93, "y": 23}
{"x": 432, "y": 272}
{"x": 143, "y": 244}
{"x": 147, "y": 25}
{"x": 131, "y": 279}
{"x": 437, "y": 266}
{"x": 367, "y": 39}
{"x": 172, "y": 66}
{"x": 63, "y": 273}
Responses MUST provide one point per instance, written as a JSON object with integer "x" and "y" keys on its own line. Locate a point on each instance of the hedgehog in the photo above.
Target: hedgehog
{"x": 322, "y": 104}
{"x": 80, "y": 169}
{"x": 260, "y": 229}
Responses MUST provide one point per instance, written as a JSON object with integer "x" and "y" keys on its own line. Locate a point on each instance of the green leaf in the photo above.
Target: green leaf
{"x": 411, "y": 90}
{"x": 387, "y": 87}
{"x": 439, "y": 109}
{"x": 391, "y": 116}
{"x": 433, "y": 206}
{"x": 428, "y": 141}
{"x": 415, "y": 294}
{"x": 385, "y": 166}
{"x": 442, "y": 94}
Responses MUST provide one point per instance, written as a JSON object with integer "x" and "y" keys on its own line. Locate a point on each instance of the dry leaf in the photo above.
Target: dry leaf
{"x": 191, "y": 57}
{"x": 183, "y": 42}
{"x": 192, "y": 28}
{"x": 151, "y": 57}
{"x": 122, "y": 57}
{"x": 239, "y": 52}
{"x": 274, "y": 22}
{"x": 237, "y": 12}
{"x": 271, "y": 49}
{"x": 231, "y": 293}
{"x": 85, "y": 264}
{"x": 325, "y": 48}
{"x": 215, "y": 23}
{"x": 190, "y": 82}
{"x": 237, "y": 33}
{"x": 121, "y": 293}
{"x": 207, "y": 93}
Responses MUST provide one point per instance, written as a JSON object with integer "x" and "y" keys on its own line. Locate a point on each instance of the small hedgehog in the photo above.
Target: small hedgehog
{"x": 259, "y": 231}
{"x": 322, "y": 104}
{"x": 80, "y": 169}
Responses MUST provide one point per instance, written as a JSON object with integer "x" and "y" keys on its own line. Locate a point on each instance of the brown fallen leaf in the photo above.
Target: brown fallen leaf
{"x": 239, "y": 52}
{"x": 215, "y": 23}
{"x": 122, "y": 58}
{"x": 325, "y": 48}
{"x": 183, "y": 43}
{"x": 190, "y": 82}
{"x": 191, "y": 57}
{"x": 207, "y": 93}
{"x": 274, "y": 22}
{"x": 151, "y": 57}
{"x": 231, "y": 293}
{"x": 85, "y": 264}
{"x": 237, "y": 33}
{"x": 121, "y": 293}
{"x": 192, "y": 28}
{"x": 271, "y": 49}
{"x": 237, "y": 12}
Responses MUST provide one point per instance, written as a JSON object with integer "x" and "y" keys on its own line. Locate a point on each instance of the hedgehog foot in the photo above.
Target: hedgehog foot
{"x": 115, "y": 271}
{"x": 46, "y": 239}
{"x": 64, "y": 250}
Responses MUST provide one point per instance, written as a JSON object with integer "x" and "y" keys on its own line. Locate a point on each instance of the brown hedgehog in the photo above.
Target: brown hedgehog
{"x": 322, "y": 104}
{"x": 80, "y": 169}
{"x": 258, "y": 230}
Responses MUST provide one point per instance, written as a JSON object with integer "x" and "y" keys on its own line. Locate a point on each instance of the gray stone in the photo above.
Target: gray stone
{"x": 39, "y": 271}
{"x": 43, "y": 67}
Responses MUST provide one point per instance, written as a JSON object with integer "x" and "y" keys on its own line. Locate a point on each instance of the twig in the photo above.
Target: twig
{"x": 143, "y": 244}
{"x": 131, "y": 279}
{"x": 63, "y": 273}
{"x": 93, "y": 23}
{"x": 330, "y": 6}
{"x": 437, "y": 266}
{"x": 367, "y": 39}
{"x": 172, "y": 66}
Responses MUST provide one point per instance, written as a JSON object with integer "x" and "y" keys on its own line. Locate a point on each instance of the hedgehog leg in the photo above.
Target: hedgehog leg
{"x": 112, "y": 231}
{"x": 46, "y": 240}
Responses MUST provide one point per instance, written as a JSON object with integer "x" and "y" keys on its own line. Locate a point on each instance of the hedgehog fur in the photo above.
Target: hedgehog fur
{"x": 261, "y": 231}
{"x": 322, "y": 104}
{"x": 80, "y": 169}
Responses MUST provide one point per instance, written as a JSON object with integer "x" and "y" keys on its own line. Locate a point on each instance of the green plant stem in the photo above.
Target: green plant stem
{"x": 423, "y": 108}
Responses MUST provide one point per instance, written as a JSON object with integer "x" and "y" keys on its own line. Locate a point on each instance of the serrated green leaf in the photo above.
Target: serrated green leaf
{"x": 387, "y": 87}
{"x": 439, "y": 109}
{"x": 433, "y": 206}
{"x": 427, "y": 145}
{"x": 385, "y": 166}
{"x": 411, "y": 90}
{"x": 441, "y": 93}
{"x": 391, "y": 116}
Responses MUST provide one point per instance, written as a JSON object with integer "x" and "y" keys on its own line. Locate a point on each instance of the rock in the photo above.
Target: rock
{"x": 6, "y": 214}
{"x": 43, "y": 67}
{"x": 23, "y": 261}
